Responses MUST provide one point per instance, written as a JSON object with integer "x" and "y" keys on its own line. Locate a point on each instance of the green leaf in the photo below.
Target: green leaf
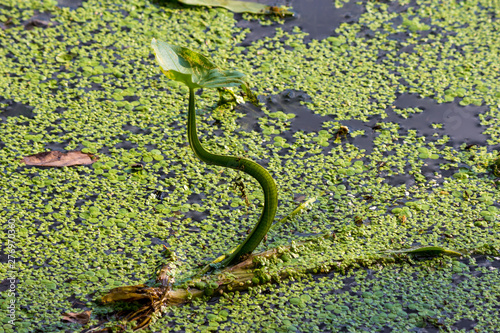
{"x": 181, "y": 64}
{"x": 218, "y": 79}
{"x": 240, "y": 6}
{"x": 193, "y": 69}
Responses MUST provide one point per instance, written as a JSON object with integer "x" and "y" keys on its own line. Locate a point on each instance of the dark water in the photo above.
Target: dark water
{"x": 73, "y": 4}
{"x": 319, "y": 18}
{"x": 15, "y": 109}
{"x": 460, "y": 123}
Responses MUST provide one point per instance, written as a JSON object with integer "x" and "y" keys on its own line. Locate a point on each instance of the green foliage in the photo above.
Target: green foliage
{"x": 193, "y": 69}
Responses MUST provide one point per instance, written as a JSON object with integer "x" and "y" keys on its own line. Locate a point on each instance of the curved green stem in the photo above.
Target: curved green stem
{"x": 249, "y": 167}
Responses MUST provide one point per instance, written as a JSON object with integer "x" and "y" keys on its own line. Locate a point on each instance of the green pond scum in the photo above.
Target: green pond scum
{"x": 85, "y": 78}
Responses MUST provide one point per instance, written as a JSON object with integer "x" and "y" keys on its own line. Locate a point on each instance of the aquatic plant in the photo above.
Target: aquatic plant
{"x": 196, "y": 71}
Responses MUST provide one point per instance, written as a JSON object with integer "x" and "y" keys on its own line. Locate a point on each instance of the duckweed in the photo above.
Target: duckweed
{"x": 90, "y": 82}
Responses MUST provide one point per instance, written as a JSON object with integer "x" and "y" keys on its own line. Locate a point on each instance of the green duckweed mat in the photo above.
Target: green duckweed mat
{"x": 85, "y": 78}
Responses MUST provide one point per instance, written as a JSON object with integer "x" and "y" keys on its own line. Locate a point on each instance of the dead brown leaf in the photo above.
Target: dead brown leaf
{"x": 60, "y": 159}
{"x": 77, "y": 318}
